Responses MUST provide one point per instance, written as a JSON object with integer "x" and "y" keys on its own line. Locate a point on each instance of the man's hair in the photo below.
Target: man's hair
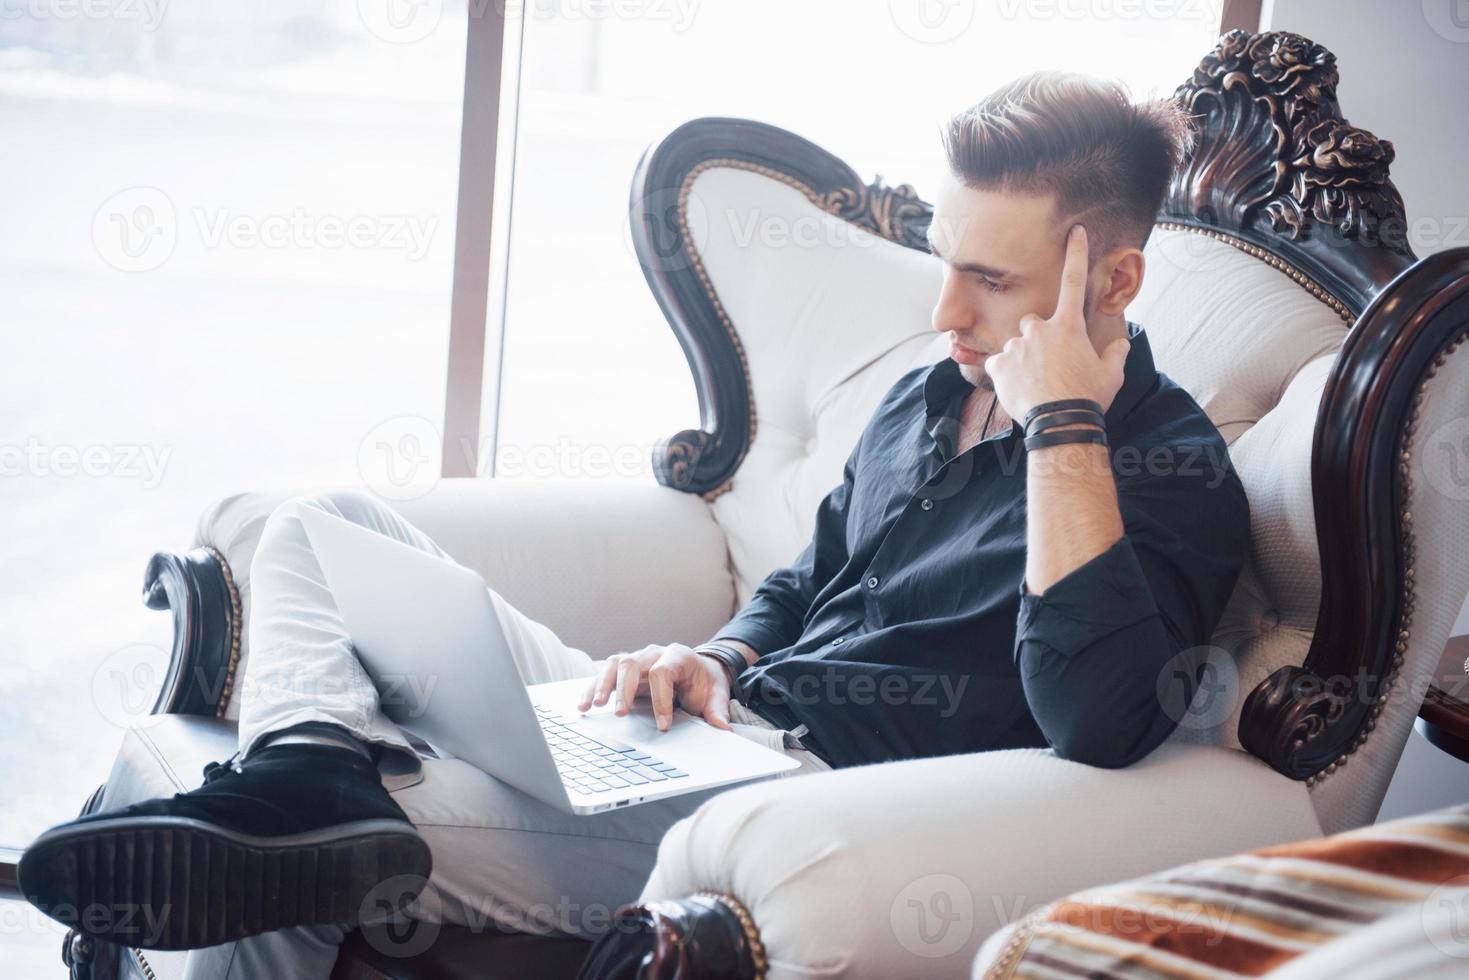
{"x": 1106, "y": 159}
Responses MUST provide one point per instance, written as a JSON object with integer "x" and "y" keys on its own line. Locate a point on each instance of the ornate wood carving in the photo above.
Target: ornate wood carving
{"x": 199, "y": 590}
{"x": 1277, "y": 165}
{"x": 894, "y": 213}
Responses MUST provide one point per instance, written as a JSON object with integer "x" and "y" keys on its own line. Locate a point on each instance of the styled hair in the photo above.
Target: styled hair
{"x": 1106, "y": 159}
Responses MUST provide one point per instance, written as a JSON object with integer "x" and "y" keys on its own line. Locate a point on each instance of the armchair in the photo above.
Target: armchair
{"x": 1281, "y": 293}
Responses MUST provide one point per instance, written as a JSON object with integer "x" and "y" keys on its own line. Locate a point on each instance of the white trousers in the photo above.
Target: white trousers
{"x": 503, "y": 860}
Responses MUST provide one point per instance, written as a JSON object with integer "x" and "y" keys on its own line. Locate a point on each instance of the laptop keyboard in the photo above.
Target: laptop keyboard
{"x": 595, "y": 765}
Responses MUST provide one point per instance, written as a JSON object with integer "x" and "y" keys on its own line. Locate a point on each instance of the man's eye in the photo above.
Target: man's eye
{"x": 991, "y": 285}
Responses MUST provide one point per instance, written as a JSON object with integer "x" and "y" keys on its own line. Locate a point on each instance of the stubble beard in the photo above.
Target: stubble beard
{"x": 976, "y": 375}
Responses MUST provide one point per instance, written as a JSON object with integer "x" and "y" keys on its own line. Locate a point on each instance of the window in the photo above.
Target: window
{"x": 226, "y": 257}
{"x": 591, "y": 372}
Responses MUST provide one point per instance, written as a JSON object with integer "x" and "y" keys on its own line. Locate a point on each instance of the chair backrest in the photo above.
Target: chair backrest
{"x": 1280, "y": 291}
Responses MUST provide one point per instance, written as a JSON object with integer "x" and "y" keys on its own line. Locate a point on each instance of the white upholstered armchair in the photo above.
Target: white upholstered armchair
{"x": 1280, "y": 293}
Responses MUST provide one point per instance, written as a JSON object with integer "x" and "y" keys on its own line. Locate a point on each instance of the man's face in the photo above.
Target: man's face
{"x": 1003, "y": 255}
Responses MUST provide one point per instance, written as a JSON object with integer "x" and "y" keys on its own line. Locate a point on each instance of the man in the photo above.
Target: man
{"x": 1015, "y": 556}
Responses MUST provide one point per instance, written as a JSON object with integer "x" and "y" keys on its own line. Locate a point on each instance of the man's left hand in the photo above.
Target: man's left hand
{"x": 1054, "y": 358}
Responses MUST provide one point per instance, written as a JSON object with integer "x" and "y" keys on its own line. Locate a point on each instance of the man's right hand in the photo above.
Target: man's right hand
{"x": 672, "y": 674}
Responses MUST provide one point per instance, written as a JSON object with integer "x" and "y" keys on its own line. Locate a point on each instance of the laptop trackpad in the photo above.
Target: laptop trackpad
{"x": 640, "y": 724}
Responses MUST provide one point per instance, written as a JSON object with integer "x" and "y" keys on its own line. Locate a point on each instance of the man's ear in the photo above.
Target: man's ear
{"x": 1124, "y": 269}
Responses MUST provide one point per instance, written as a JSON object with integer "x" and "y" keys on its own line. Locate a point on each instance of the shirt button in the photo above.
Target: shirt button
{"x": 927, "y": 503}
{"x": 872, "y": 582}
{"x": 839, "y": 641}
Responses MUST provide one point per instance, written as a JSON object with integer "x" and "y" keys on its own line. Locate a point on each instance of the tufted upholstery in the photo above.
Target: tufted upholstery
{"x": 829, "y": 316}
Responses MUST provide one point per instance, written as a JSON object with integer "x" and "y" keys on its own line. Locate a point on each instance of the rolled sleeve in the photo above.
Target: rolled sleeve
{"x": 1092, "y": 648}
{"x": 1093, "y": 601}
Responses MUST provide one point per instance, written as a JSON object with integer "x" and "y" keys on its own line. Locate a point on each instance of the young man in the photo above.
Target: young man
{"x": 995, "y": 570}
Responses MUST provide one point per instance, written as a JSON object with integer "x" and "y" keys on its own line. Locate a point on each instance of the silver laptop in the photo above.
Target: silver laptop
{"x": 427, "y": 633}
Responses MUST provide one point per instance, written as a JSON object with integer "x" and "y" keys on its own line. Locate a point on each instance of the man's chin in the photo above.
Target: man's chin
{"x": 976, "y": 375}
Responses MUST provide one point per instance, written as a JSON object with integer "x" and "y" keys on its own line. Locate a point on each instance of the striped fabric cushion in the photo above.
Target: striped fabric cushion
{"x": 1245, "y": 915}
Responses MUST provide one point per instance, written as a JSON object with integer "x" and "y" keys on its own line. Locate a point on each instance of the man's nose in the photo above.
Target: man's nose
{"x": 951, "y": 313}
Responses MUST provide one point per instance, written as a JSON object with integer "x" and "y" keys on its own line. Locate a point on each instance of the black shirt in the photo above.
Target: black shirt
{"x": 904, "y": 628}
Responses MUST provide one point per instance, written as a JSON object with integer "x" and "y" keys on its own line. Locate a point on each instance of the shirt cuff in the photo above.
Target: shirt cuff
{"x": 1105, "y": 594}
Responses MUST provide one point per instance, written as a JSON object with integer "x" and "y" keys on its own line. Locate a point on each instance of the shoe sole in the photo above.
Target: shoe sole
{"x": 176, "y": 883}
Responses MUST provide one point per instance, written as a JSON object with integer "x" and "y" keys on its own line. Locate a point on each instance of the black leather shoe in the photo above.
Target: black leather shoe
{"x": 294, "y": 835}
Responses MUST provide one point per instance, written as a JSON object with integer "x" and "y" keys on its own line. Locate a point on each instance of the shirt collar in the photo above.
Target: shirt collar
{"x": 945, "y": 388}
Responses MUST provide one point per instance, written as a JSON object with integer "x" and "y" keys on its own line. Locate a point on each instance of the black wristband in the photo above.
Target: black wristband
{"x": 1066, "y": 417}
{"x": 733, "y": 661}
{"x": 1065, "y": 436}
{"x": 1056, "y": 406}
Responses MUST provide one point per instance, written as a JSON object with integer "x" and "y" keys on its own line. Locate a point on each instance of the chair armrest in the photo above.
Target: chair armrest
{"x": 903, "y": 869}
{"x": 609, "y": 568}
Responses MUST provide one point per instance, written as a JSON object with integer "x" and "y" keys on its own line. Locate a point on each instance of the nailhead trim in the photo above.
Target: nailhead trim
{"x": 1272, "y": 260}
{"x": 235, "y": 632}
{"x": 747, "y": 924}
{"x": 1408, "y": 596}
{"x": 143, "y": 963}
